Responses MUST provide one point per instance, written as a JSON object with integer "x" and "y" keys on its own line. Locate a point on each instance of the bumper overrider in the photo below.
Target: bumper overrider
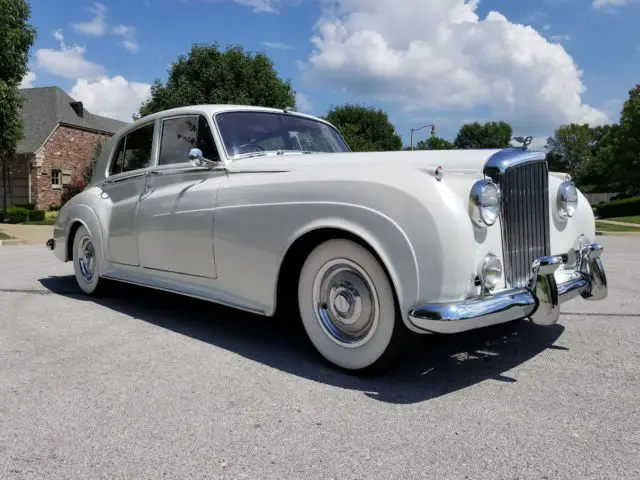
{"x": 553, "y": 280}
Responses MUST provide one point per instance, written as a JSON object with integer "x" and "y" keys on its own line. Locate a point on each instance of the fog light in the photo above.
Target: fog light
{"x": 490, "y": 271}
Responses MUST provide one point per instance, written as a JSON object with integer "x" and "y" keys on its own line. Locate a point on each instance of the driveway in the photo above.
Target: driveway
{"x": 144, "y": 384}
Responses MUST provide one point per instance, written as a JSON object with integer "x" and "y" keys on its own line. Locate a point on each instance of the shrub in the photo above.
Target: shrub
{"x": 74, "y": 188}
{"x": 620, "y": 208}
{"x": 36, "y": 216}
{"x": 54, "y": 207}
{"x": 17, "y": 214}
{"x": 28, "y": 206}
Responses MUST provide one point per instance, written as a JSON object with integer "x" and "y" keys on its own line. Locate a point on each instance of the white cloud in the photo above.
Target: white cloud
{"x": 303, "y": 104}
{"x": 442, "y": 56}
{"x": 260, "y": 6}
{"x": 131, "y": 45}
{"x": 114, "y": 97}
{"x": 68, "y": 62}
{"x": 128, "y": 33}
{"x": 27, "y": 80}
{"x": 97, "y": 26}
{"x": 601, "y": 4}
{"x": 559, "y": 38}
{"x": 277, "y": 45}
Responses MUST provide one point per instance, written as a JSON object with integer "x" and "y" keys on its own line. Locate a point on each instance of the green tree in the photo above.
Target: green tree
{"x": 16, "y": 38}
{"x": 434, "y": 143}
{"x": 365, "y": 129}
{"x": 570, "y": 146}
{"x": 490, "y": 135}
{"x": 622, "y": 154}
{"x": 209, "y": 75}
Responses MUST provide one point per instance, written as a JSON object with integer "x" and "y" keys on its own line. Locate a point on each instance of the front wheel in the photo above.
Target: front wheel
{"x": 348, "y": 306}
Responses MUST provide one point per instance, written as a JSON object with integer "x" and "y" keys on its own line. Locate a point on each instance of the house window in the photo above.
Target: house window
{"x": 56, "y": 178}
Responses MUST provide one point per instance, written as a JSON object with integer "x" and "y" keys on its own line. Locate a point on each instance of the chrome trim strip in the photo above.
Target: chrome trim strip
{"x": 549, "y": 287}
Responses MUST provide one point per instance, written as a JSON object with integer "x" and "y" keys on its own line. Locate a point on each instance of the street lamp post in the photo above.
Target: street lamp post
{"x": 433, "y": 131}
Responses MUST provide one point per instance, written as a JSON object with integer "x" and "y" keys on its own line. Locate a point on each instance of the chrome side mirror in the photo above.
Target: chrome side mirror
{"x": 195, "y": 154}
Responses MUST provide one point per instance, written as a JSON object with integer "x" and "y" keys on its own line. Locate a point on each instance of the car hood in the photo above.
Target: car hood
{"x": 449, "y": 160}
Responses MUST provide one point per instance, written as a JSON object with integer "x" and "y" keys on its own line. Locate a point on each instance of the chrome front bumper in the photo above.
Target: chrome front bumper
{"x": 554, "y": 280}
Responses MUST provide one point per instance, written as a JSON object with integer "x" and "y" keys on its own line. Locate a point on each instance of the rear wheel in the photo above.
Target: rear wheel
{"x": 86, "y": 262}
{"x": 348, "y": 306}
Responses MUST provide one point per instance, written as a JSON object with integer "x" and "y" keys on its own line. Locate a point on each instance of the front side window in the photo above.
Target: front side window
{"x": 250, "y": 131}
{"x": 133, "y": 151}
{"x": 181, "y": 134}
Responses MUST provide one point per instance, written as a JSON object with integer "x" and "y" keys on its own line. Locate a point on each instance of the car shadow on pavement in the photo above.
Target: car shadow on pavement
{"x": 433, "y": 365}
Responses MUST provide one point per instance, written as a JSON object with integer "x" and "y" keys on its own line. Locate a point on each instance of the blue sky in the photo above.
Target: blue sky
{"x": 535, "y": 63}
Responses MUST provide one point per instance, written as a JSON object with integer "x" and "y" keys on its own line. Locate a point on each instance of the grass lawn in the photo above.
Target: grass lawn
{"x": 4, "y": 236}
{"x": 610, "y": 227}
{"x": 634, "y": 219}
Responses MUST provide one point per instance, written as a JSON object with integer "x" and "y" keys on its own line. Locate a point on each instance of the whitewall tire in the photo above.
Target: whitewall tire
{"x": 347, "y": 305}
{"x": 86, "y": 262}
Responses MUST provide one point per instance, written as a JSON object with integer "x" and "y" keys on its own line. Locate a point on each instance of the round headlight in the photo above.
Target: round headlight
{"x": 484, "y": 204}
{"x": 567, "y": 199}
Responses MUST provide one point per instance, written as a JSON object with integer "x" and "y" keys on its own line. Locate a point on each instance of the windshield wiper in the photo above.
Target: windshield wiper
{"x": 248, "y": 155}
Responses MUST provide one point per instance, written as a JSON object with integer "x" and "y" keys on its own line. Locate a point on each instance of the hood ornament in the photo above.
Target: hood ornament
{"x": 525, "y": 141}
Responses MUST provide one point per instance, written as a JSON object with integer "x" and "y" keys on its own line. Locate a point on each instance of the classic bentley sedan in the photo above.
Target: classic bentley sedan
{"x": 264, "y": 209}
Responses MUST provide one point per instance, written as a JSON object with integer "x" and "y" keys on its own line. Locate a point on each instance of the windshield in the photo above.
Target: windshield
{"x": 251, "y": 132}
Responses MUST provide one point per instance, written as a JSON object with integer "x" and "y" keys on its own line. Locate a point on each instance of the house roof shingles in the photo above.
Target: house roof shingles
{"x": 43, "y": 108}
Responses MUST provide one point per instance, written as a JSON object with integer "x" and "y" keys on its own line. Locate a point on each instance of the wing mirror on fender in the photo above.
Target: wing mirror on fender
{"x": 195, "y": 156}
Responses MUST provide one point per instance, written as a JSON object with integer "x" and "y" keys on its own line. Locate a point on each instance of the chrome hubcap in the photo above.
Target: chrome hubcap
{"x": 86, "y": 258}
{"x": 346, "y": 302}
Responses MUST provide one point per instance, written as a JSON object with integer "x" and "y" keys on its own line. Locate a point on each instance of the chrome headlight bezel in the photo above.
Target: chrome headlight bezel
{"x": 567, "y": 199}
{"x": 484, "y": 203}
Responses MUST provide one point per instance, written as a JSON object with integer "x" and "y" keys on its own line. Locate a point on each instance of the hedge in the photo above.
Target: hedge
{"x": 17, "y": 214}
{"x": 21, "y": 214}
{"x": 624, "y": 207}
{"x": 28, "y": 206}
{"x": 36, "y": 216}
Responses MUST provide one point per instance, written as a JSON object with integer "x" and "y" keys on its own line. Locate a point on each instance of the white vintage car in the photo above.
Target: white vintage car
{"x": 259, "y": 208}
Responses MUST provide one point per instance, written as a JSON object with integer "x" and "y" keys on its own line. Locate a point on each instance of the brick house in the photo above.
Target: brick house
{"x": 60, "y": 138}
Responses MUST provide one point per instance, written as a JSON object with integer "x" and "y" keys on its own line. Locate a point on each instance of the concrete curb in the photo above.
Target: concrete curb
{"x": 624, "y": 234}
{"x": 13, "y": 241}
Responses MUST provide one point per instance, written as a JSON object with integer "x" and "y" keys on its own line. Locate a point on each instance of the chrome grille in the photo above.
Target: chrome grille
{"x": 525, "y": 219}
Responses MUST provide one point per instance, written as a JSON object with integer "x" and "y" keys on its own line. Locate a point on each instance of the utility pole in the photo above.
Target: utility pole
{"x": 433, "y": 131}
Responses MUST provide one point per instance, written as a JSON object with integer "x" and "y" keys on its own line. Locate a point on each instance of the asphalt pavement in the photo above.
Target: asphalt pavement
{"x": 144, "y": 384}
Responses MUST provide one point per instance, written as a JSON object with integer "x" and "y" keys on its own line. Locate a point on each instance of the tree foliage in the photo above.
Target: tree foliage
{"x": 434, "y": 143}
{"x": 603, "y": 158}
{"x": 365, "y": 129}
{"x": 208, "y": 75}
{"x": 16, "y": 38}
{"x": 489, "y": 135}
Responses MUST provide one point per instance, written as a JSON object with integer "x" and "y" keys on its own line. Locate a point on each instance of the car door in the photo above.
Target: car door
{"x": 122, "y": 190}
{"x": 175, "y": 217}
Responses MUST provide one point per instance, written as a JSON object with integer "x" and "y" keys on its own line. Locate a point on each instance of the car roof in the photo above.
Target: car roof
{"x": 213, "y": 109}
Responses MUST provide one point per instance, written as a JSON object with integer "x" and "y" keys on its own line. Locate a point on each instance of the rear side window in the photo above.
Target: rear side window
{"x": 118, "y": 158}
{"x": 133, "y": 151}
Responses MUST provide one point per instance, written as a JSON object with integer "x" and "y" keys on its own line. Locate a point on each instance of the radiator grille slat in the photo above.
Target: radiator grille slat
{"x": 525, "y": 219}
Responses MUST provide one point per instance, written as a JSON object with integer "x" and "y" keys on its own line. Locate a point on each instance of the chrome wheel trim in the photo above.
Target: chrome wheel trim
{"x": 346, "y": 303}
{"x": 86, "y": 258}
